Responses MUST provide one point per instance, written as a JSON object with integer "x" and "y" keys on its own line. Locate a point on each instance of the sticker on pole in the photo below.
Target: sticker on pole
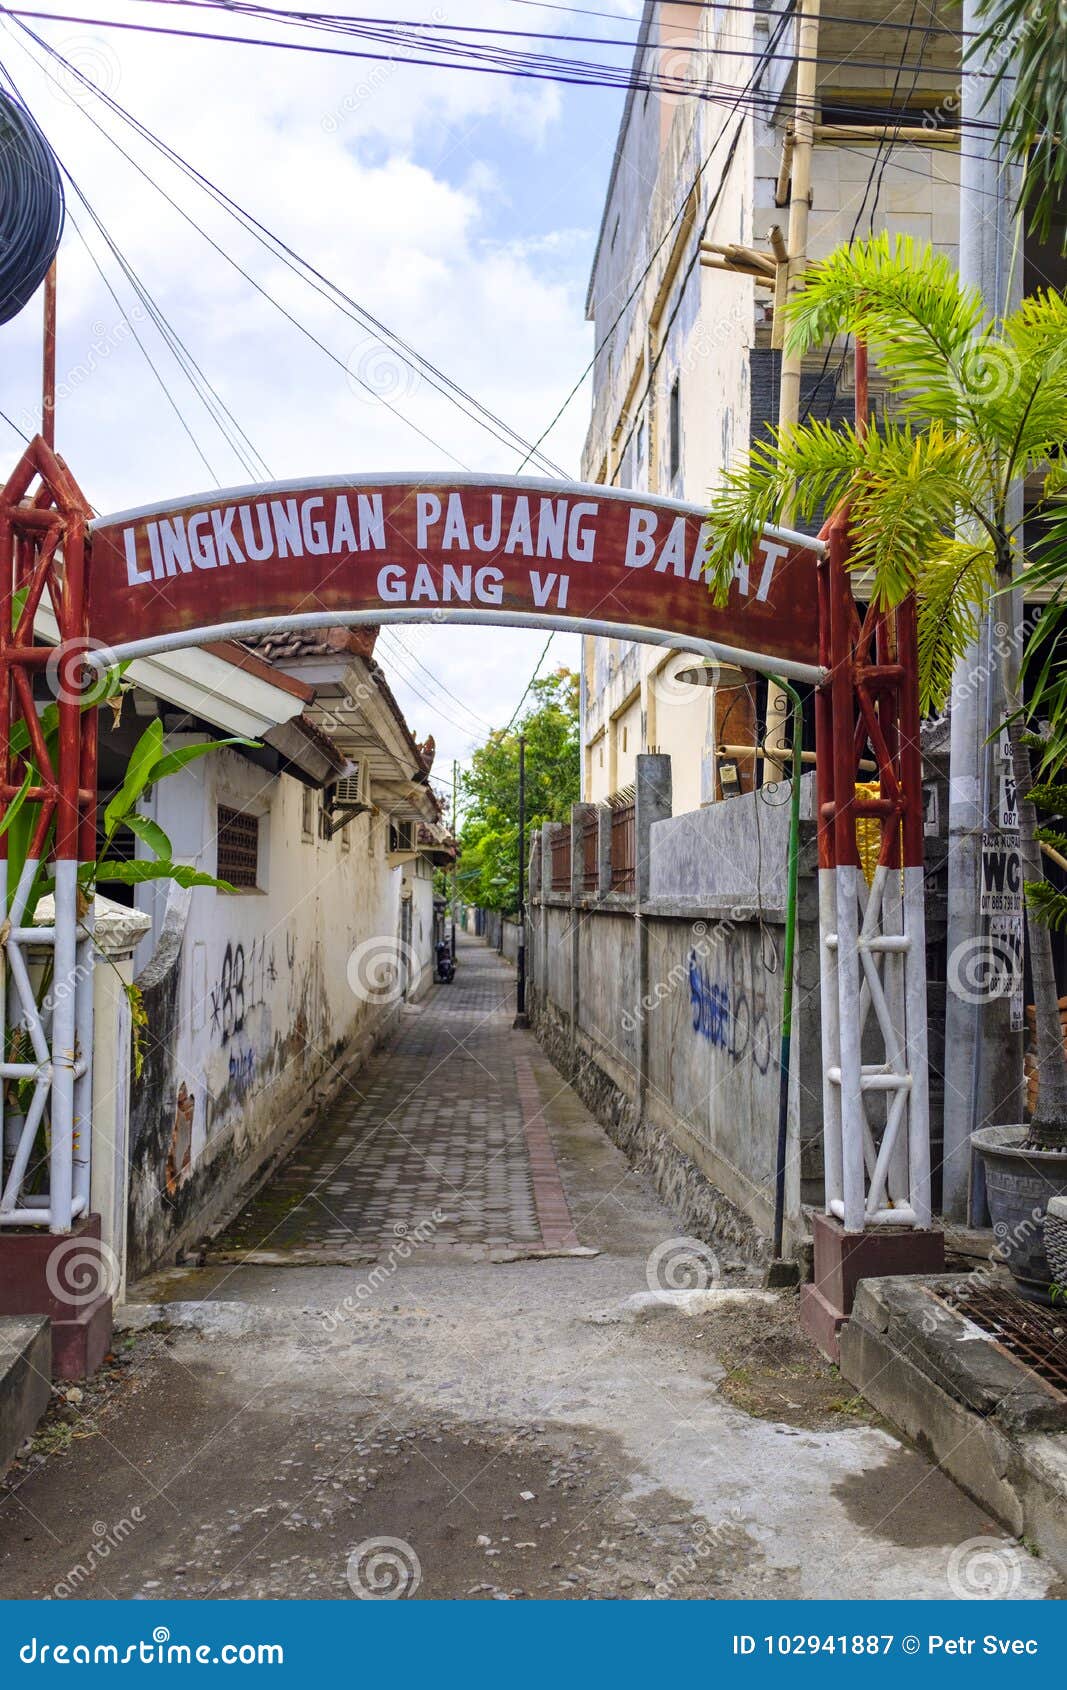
{"x": 1008, "y": 808}
{"x": 1006, "y": 947}
{"x": 1002, "y": 877}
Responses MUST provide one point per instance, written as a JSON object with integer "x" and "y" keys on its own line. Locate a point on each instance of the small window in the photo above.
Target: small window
{"x": 238, "y": 849}
{"x": 307, "y": 814}
{"x": 346, "y": 837}
{"x": 675, "y": 426}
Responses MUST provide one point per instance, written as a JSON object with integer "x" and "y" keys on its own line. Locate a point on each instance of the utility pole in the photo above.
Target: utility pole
{"x": 521, "y": 1018}
{"x": 983, "y": 1053}
{"x": 791, "y": 277}
{"x": 455, "y": 859}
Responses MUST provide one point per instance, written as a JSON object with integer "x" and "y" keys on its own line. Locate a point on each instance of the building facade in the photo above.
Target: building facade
{"x": 686, "y": 372}
{"x": 260, "y": 1002}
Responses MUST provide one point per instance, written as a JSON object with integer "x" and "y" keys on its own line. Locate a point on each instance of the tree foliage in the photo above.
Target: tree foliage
{"x": 489, "y": 791}
{"x": 976, "y": 407}
{"x": 1023, "y": 44}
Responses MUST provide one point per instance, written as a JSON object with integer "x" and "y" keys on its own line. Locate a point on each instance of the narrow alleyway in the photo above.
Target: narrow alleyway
{"x": 411, "y": 1361}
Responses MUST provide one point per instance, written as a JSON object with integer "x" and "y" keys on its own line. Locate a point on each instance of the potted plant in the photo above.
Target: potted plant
{"x": 977, "y": 407}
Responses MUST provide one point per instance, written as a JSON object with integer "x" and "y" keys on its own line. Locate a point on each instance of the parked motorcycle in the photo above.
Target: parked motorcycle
{"x": 446, "y": 965}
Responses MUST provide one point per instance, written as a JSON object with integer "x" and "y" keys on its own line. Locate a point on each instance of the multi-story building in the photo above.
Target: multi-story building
{"x": 686, "y": 372}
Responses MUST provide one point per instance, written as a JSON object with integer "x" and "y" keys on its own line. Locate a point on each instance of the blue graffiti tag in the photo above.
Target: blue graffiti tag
{"x": 711, "y": 1005}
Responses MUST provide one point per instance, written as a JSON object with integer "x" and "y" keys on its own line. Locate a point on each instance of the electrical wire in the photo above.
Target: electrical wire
{"x": 680, "y": 286}
{"x": 433, "y": 679}
{"x": 466, "y": 403}
{"x": 667, "y": 235}
{"x": 459, "y": 55}
{"x": 530, "y": 682}
{"x": 31, "y": 207}
{"x": 282, "y": 14}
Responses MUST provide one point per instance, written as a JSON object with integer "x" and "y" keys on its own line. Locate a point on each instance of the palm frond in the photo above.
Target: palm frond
{"x": 1025, "y": 40}
{"x": 1047, "y": 905}
{"x": 907, "y": 302}
{"x": 951, "y": 593}
{"x": 804, "y": 468}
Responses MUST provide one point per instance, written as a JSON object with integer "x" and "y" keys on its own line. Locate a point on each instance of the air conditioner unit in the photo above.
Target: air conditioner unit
{"x": 352, "y": 791}
{"x": 401, "y": 837}
{"x": 346, "y": 798}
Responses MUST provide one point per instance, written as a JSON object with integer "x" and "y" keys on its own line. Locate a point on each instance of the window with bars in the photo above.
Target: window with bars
{"x": 237, "y": 836}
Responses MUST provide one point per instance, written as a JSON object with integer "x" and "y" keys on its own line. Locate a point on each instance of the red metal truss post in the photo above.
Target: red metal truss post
{"x": 878, "y": 1165}
{"x": 876, "y": 1125}
{"x": 48, "y": 770}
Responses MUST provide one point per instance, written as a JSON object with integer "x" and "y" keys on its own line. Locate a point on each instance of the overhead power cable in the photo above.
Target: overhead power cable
{"x": 667, "y": 236}
{"x": 459, "y": 54}
{"x": 471, "y": 407}
{"x": 355, "y": 24}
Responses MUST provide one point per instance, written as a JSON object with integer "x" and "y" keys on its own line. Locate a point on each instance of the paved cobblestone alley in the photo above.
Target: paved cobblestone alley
{"x": 351, "y": 1397}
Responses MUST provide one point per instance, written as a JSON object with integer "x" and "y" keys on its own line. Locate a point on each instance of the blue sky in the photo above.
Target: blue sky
{"x": 461, "y": 209}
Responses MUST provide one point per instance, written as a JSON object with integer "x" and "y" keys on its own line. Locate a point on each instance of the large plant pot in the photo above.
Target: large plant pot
{"x": 1019, "y": 1187}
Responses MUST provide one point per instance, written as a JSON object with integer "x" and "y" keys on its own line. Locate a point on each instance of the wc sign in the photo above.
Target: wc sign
{"x": 1002, "y": 874}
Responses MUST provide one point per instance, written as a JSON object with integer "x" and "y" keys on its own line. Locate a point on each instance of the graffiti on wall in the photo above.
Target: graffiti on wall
{"x": 242, "y": 985}
{"x": 729, "y": 1017}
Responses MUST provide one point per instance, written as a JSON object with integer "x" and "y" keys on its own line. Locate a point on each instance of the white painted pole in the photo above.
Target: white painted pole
{"x": 61, "y": 1178}
{"x": 830, "y": 1020}
{"x": 848, "y": 981}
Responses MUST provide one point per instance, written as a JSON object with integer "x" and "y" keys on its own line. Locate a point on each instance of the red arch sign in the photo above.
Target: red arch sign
{"x": 391, "y": 548}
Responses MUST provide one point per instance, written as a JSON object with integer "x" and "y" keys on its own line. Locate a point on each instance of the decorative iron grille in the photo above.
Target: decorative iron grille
{"x": 624, "y": 847}
{"x": 561, "y": 860}
{"x": 238, "y": 848}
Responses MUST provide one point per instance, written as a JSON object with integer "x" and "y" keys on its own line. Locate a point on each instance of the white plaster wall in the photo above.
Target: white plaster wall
{"x": 265, "y": 991}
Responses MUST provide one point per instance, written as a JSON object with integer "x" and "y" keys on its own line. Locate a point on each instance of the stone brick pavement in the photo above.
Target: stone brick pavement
{"x": 444, "y": 1121}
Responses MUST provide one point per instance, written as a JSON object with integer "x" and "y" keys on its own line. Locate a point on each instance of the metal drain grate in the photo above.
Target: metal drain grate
{"x": 1034, "y": 1335}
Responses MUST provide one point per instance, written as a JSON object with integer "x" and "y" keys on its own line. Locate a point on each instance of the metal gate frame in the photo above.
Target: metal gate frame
{"x": 872, "y": 949}
{"x": 872, "y": 938}
{"x": 43, "y": 554}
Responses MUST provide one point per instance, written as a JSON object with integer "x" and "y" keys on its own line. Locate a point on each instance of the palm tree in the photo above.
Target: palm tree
{"x": 975, "y": 407}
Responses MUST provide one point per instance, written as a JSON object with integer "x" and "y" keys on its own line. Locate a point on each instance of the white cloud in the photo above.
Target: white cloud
{"x": 393, "y": 180}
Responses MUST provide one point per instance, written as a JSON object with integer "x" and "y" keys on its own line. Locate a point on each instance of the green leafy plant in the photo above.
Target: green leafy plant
{"x": 977, "y": 406}
{"x": 149, "y": 763}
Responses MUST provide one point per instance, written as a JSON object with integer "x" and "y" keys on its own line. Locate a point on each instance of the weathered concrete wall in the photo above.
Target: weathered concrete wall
{"x": 558, "y": 956}
{"x": 679, "y": 1004}
{"x": 256, "y": 1001}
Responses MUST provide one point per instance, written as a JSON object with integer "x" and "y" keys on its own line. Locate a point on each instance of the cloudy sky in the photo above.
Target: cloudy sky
{"x": 460, "y": 209}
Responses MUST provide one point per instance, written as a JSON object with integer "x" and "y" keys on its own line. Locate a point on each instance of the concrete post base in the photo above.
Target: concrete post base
{"x": 67, "y": 1277}
{"x": 843, "y": 1258}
